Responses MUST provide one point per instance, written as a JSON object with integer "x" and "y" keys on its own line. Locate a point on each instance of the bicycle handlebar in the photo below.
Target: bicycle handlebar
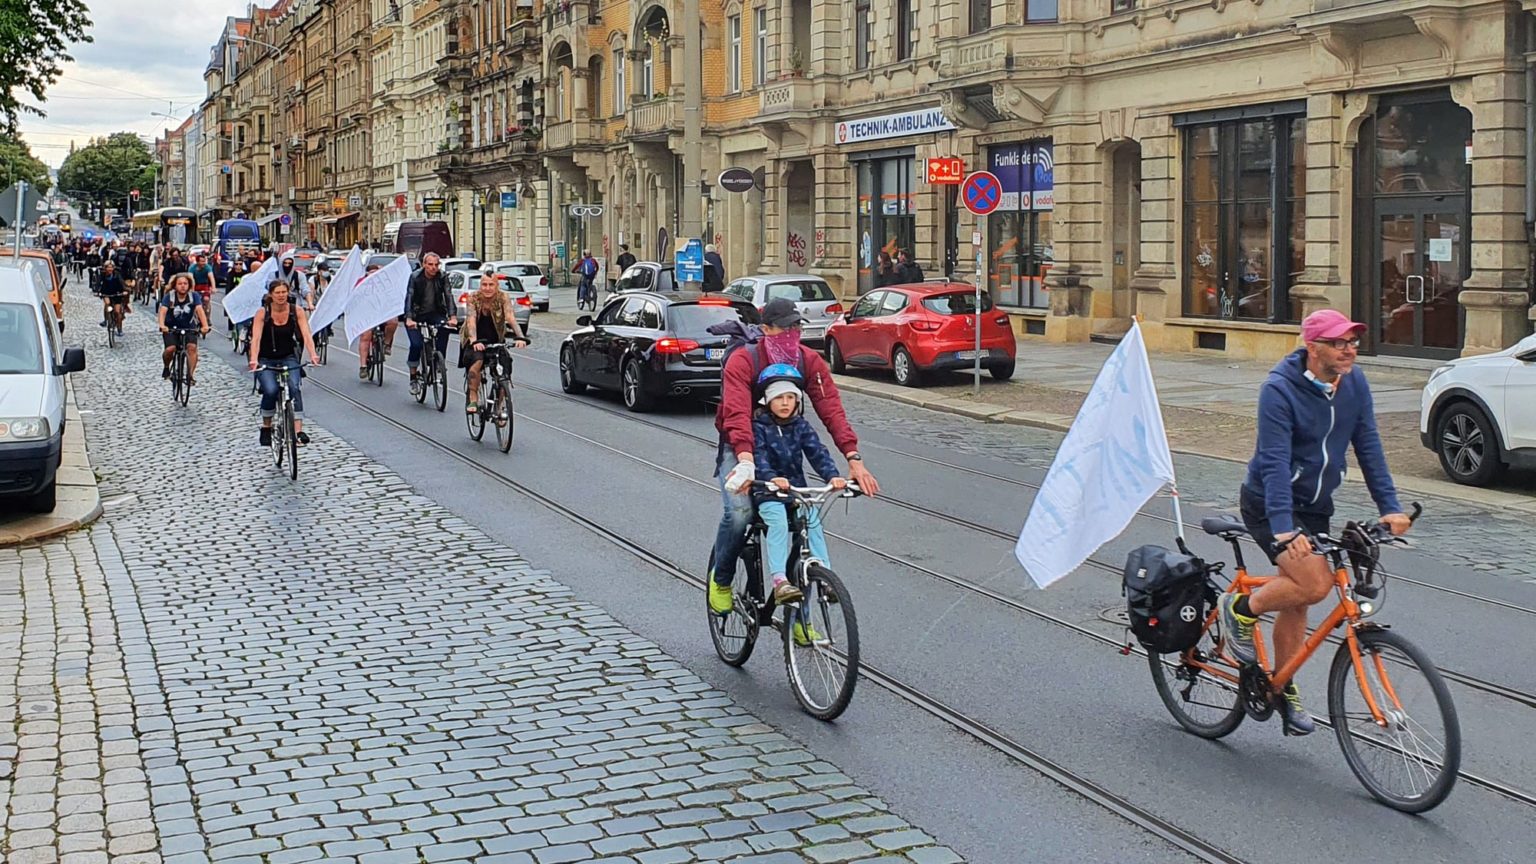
{"x": 267, "y": 367}
{"x": 1377, "y": 532}
{"x": 809, "y": 494}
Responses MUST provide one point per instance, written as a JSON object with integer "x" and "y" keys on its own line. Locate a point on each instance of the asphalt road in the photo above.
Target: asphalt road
{"x": 1060, "y": 691}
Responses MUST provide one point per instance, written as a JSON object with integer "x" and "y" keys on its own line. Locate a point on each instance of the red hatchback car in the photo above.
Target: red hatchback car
{"x": 914, "y": 329}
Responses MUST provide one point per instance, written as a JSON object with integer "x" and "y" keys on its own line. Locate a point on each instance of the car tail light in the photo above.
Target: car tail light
{"x": 713, "y": 301}
{"x": 524, "y": 301}
{"x": 835, "y": 309}
{"x": 671, "y": 345}
{"x": 926, "y": 326}
{"x": 543, "y": 280}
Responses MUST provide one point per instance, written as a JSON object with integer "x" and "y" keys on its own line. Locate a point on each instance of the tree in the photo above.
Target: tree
{"x": 18, "y": 163}
{"x": 105, "y": 170}
{"x": 34, "y": 38}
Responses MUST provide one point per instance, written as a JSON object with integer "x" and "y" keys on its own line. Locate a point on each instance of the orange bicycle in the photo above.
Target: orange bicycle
{"x": 1399, "y": 732}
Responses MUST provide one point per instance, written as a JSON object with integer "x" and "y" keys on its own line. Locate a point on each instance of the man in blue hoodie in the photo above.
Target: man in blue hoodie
{"x": 1313, "y": 406}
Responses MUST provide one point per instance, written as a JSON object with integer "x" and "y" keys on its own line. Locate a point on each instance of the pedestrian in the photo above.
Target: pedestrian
{"x": 908, "y": 271}
{"x": 626, "y": 258}
{"x": 714, "y": 269}
{"x": 885, "y": 271}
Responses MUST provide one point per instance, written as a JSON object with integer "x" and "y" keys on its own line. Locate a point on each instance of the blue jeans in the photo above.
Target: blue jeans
{"x": 776, "y": 517}
{"x": 414, "y": 334}
{"x": 734, "y": 520}
{"x": 266, "y": 380}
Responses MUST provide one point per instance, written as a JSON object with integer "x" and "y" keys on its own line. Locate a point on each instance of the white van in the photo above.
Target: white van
{"x": 33, "y": 363}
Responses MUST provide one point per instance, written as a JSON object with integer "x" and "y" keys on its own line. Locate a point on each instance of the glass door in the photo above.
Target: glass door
{"x": 1421, "y": 258}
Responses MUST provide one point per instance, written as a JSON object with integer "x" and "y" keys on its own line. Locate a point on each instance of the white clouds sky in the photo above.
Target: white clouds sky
{"x": 149, "y": 55}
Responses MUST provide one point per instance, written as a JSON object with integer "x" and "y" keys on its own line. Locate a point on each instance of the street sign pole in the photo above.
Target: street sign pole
{"x": 982, "y": 193}
{"x": 21, "y": 197}
{"x": 976, "y": 370}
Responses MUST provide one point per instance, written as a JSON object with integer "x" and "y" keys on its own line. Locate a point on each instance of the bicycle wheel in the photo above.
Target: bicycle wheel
{"x": 279, "y": 450}
{"x": 1407, "y": 761}
{"x": 111, "y": 331}
{"x": 439, "y": 381}
{"x": 376, "y": 355}
{"x": 179, "y": 386}
{"x": 822, "y": 653}
{"x": 1203, "y": 702}
{"x": 293, "y": 441}
{"x": 734, "y": 634}
{"x": 421, "y": 386}
{"x": 323, "y": 349}
{"x": 501, "y": 415}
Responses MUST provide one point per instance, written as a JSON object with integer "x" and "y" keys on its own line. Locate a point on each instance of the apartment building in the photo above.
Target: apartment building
{"x": 216, "y": 147}
{"x": 427, "y": 129}
{"x": 388, "y": 189}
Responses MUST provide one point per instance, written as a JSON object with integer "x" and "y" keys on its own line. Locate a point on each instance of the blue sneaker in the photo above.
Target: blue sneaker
{"x": 1297, "y": 720}
{"x": 1238, "y": 630}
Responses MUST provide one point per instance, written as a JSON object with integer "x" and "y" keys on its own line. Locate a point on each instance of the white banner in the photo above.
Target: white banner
{"x": 1113, "y": 459}
{"x": 378, "y": 298}
{"x": 243, "y": 303}
{"x": 338, "y": 291}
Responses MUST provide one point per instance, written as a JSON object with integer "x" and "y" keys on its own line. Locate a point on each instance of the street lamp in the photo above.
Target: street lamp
{"x": 267, "y": 45}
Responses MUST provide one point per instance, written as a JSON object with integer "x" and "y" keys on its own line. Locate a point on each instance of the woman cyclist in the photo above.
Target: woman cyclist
{"x": 277, "y": 333}
{"x": 488, "y": 317}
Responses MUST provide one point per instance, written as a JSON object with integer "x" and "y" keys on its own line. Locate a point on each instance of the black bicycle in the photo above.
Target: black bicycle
{"x": 820, "y": 631}
{"x": 433, "y": 371}
{"x": 323, "y": 344}
{"x": 376, "y": 356}
{"x": 285, "y": 443}
{"x": 496, "y": 383}
{"x": 181, "y": 375}
{"x": 586, "y": 295}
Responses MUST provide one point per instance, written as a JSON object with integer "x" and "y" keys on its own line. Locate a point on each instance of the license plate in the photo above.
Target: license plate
{"x": 714, "y": 353}
{"x": 967, "y": 355}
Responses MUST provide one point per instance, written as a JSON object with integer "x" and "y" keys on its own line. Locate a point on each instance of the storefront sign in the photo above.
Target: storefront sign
{"x": 946, "y": 170}
{"x": 1027, "y": 173}
{"x": 338, "y": 204}
{"x": 508, "y": 200}
{"x": 355, "y": 202}
{"x": 893, "y": 126}
{"x": 434, "y": 206}
{"x": 736, "y": 180}
{"x": 689, "y": 262}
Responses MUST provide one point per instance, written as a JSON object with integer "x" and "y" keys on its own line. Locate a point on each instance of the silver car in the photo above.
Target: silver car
{"x": 33, "y": 363}
{"x": 462, "y": 285}
{"x": 813, "y": 296}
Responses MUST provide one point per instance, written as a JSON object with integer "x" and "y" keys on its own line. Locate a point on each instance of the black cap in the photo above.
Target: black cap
{"x": 782, "y": 312}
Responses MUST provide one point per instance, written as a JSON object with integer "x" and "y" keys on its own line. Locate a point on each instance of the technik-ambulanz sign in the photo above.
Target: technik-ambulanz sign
{"x": 893, "y": 126}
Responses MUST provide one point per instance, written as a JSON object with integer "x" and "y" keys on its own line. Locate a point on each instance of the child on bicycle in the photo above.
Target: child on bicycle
{"x": 783, "y": 438}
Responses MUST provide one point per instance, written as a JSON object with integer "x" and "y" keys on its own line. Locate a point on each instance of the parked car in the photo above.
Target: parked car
{"x": 646, "y": 276}
{"x": 463, "y": 283}
{"x": 379, "y": 259}
{"x": 916, "y": 329}
{"x": 33, "y": 363}
{"x": 650, "y": 346}
{"x": 1478, "y": 414}
{"x": 45, "y": 274}
{"x": 812, "y": 296}
{"x": 532, "y": 277}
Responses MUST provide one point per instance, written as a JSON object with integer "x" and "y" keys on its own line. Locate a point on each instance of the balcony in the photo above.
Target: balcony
{"x": 657, "y": 116}
{"x": 454, "y": 68}
{"x": 570, "y": 133}
{"x": 979, "y": 57}
{"x": 786, "y": 96}
{"x": 523, "y": 35}
{"x": 569, "y": 20}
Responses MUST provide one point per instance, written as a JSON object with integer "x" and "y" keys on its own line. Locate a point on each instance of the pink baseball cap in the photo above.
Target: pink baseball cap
{"x": 1328, "y": 324}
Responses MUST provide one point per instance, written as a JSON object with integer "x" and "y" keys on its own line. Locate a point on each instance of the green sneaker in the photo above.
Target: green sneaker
{"x": 720, "y": 599}
{"x": 805, "y": 635}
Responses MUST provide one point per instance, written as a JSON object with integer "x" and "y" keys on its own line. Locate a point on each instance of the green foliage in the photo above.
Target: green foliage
{"x": 106, "y": 169}
{"x": 34, "y": 38}
{"x": 18, "y": 163}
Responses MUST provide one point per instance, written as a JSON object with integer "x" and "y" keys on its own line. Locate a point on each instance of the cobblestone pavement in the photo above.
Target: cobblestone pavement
{"x": 253, "y": 670}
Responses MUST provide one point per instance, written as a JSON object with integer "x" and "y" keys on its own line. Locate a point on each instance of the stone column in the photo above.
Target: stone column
{"x": 580, "y": 110}
{"x": 832, "y": 252}
{"x": 773, "y": 215}
{"x": 1156, "y": 282}
{"x": 1333, "y": 123}
{"x": 1497, "y": 296}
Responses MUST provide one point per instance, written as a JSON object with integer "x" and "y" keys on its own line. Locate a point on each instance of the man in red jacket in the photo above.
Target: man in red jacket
{"x": 779, "y": 343}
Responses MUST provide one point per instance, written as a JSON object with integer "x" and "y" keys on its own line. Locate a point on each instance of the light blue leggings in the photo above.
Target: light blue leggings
{"x": 777, "y": 519}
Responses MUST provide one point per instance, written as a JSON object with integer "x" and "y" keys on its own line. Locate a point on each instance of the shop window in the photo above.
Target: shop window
{"x": 1020, "y": 230}
{"x": 886, "y": 218}
{"x": 1244, "y": 217}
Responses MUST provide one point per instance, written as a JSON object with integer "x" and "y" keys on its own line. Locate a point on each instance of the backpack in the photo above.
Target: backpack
{"x": 1167, "y": 596}
{"x": 588, "y": 267}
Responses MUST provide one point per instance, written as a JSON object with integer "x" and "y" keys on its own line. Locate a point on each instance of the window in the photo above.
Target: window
{"x": 647, "y": 73}
{"x": 620, "y": 94}
{"x": 760, "y": 49}
{"x": 1116, "y": 6}
{"x": 887, "y": 212}
{"x": 867, "y": 305}
{"x": 861, "y": 34}
{"x": 1020, "y": 229}
{"x": 808, "y": 291}
{"x": 1244, "y": 216}
{"x": 1041, "y": 11}
{"x": 733, "y": 59}
{"x": 980, "y": 15}
{"x": 906, "y": 28}
{"x": 894, "y": 302}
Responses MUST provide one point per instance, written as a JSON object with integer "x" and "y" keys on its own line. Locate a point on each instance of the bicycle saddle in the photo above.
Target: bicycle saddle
{"x": 1219, "y": 525}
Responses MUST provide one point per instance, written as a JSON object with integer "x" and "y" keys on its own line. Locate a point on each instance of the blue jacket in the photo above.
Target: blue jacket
{"x": 780, "y": 450}
{"x": 1303, "y": 438}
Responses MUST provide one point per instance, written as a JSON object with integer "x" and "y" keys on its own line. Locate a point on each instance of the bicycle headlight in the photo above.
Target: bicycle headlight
{"x": 1367, "y": 608}
{"x": 23, "y": 428}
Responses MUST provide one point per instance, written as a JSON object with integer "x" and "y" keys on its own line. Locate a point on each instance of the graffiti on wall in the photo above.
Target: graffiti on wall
{"x": 795, "y": 249}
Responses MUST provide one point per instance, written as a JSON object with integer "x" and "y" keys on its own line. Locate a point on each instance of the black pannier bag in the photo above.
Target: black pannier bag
{"x": 1167, "y": 597}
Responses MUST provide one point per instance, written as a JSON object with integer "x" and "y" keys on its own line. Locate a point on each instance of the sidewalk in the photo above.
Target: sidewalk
{"x": 79, "y": 502}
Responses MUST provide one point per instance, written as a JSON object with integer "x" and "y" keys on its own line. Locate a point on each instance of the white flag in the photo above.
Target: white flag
{"x": 244, "y": 302}
{"x": 338, "y": 291}
{"x": 378, "y": 298}
{"x": 1113, "y": 459}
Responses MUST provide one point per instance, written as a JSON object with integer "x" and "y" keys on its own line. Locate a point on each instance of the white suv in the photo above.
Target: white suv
{"x": 1479, "y": 413}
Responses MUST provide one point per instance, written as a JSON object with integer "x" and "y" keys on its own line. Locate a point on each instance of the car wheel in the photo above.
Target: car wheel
{"x": 635, "y": 397}
{"x": 43, "y": 500}
{"x": 568, "y": 381}
{"x": 905, "y": 368}
{"x": 835, "y": 358}
{"x": 1002, "y": 371}
{"x": 1467, "y": 444}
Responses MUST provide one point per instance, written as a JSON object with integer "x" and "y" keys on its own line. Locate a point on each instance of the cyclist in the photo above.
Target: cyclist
{"x": 277, "y": 333}
{"x": 783, "y": 439}
{"x": 489, "y": 315}
{"x": 114, "y": 296}
{"x": 1313, "y": 406}
{"x": 289, "y": 272}
{"x": 318, "y": 282}
{"x": 365, "y": 341}
{"x": 202, "y": 277}
{"x": 777, "y": 342}
{"x": 182, "y": 308}
{"x": 427, "y": 301}
{"x": 587, "y": 267}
